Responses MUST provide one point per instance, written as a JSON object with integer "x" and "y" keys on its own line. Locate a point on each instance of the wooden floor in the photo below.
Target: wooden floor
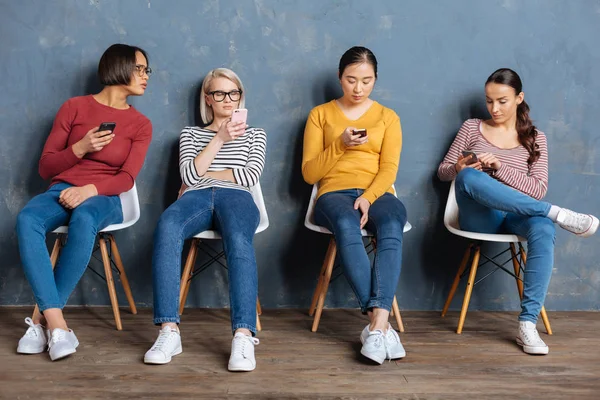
{"x": 294, "y": 363}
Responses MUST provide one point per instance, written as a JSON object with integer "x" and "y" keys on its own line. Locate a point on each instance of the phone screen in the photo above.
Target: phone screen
{"x": 360, "y": 132}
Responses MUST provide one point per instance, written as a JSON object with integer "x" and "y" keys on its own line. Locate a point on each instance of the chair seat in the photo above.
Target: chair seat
{"x": 131, "y": 213}
{"x": 364, "y": 232}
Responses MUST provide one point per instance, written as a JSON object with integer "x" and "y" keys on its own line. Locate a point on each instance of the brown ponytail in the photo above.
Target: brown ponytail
{"x": 527, "y": 132}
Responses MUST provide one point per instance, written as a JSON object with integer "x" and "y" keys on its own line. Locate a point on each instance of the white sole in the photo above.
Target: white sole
{"x": 177, "y": 351}
{"x": 22, "y": 350}
{"x": 63, "y": 354}
{"x": 532, "y": 349}
{"x": 240, "y": 369}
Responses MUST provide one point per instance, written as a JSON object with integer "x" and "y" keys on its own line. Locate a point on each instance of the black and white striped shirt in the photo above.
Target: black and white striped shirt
{"x": 245, "y": 156}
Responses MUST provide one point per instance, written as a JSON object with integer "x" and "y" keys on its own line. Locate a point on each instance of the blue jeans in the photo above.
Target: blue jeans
{"x": 43, "y": 214}
{"x": 233, "y": 213}
{"x": 374, "y": 287}
{"x": 489, "y": 206}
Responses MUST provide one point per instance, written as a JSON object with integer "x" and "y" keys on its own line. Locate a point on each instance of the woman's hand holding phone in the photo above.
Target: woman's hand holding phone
{"x": 352, "y": 138}
{"x": 467, "y": 162}
{"x": 231, "y": 130}
{"x": 93, "y": 141}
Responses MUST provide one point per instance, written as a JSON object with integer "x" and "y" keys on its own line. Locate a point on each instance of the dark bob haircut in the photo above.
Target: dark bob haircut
{"x": 117, "y": 64}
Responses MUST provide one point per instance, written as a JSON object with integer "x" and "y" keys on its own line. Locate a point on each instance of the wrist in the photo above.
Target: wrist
{"x": 218, "y": 140}
{"x": 91, "y": 190}
{"x": 76, "y": 148}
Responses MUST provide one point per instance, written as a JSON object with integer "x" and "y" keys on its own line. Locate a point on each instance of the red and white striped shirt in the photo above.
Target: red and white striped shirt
{"x": 514, "y": 172}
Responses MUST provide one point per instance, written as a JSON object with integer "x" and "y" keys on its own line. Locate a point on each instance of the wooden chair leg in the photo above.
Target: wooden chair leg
{"x": 470, "y": 284}
{"x": 319, "y": 288}
{"x": 123, "y": 276}
{"x": 110, "y": 282}
{"x": 53, "y": 258}
{"x": 517, "y": 269}
{"x": 330, "y": 260}
{"x": 258, "y": 307}
{"x": 461, "y": 269}
{"x": 396, "y": 313}
{"x": 543, "y": 313}
{"x": 258, "y": 325}
{"x": 187, "y": 274}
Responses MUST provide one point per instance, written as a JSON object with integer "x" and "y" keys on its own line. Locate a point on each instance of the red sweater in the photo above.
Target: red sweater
{"x": 114, "y": 168}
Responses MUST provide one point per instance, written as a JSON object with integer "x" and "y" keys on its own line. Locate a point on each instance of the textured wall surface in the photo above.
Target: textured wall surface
{"x": 434, "y": 58}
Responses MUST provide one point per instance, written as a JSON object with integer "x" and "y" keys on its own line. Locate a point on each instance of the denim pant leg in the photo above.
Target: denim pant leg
{"x": 236, "y": 218}
{"x": 335, "y": 211}
{"x": 488, "y": 192}
{"x": 190, "y": 214}
{"x": 86, "y": 220}
{"x": 540, "y": 234}
{"x": 387, "y": 217}
{"x": 41, "y": 215}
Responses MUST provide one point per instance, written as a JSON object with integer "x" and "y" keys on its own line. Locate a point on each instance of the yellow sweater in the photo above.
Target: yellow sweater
{"x": 371, "y": 166}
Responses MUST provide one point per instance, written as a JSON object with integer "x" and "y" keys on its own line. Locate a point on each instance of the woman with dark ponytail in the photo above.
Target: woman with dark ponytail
{"x": 501, "y": 170}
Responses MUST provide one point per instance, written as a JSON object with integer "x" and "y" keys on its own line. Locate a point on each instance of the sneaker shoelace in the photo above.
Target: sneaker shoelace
{"x": 379, "y": 338}
{"x": 57, "y": 336}
{"x": 533, "y": 337}
{"x": 575, "y": 221}
{"x": 162, "y": 340}
{"x": 240, "y": 343}
{"x": 31, "y": 332}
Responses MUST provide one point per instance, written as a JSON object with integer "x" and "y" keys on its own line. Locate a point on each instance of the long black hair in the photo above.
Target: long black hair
{"x": 527, "y": 132}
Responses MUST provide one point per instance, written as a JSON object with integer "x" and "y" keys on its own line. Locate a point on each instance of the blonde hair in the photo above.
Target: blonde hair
{"x": 206, "y": 112}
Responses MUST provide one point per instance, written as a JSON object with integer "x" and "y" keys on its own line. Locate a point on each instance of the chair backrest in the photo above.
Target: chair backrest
{"x": 259, "y": 200}
{"x": 309, "y": 219}
{"x": 130, "y": 203}
{"x": 263, "y": 224}
{"x": 451, "y": 223}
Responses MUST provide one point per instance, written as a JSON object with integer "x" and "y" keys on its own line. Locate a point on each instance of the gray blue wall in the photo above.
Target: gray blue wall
{"x": 434, "y": 58}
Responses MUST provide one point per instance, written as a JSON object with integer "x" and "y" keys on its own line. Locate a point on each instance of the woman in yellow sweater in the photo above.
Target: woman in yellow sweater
{"x": 352, "y": 150}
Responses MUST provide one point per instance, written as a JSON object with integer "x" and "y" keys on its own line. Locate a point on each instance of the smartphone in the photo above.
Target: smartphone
{"x": 107, "y": 126}
{"x": 239, "y": 115}
{"x": 470, "y": 156}
{"x": 360, "y": 132}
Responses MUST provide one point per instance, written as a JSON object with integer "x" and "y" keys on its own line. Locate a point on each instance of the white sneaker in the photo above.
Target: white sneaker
{"x": 62, "y": 343}
{"x": 167, "y": 345}
{"x": 242, "y": 353}
{"x": 34, "y": 340}
{"x": 393, "y": 346}
{"x": 530, "y": 339}
{"x": 373, "y": 345}
{"x": 583, "y": 225}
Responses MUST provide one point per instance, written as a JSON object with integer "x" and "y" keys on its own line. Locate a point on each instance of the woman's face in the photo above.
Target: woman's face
{"x": 357, "y": 82}
{"x": 220, "y": 95}
{"x": 139, "y": 79}
{"x": 502, "y": 101}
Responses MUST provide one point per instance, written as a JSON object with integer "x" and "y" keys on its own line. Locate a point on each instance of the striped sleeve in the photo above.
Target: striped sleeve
{"x": 447, "y": 169}
{"x": 187, "y": 154}
{"x": 534, "y": 183}
{"x": 250, "y": 174}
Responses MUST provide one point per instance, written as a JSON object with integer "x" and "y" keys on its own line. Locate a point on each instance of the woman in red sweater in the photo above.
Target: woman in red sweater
{"x": 88, "y": 169}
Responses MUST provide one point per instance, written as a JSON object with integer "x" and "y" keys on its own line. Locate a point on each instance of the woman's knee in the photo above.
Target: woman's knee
{"x": 466, "y": 178}
{"x": 541, "y": 230}
{"x": 27, "y": 219}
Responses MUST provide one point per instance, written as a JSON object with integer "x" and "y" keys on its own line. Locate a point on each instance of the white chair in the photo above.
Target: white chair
{"x": 318, "y": 299}
{"x": 188, "y": 271}
{"x": 131, "y": 214}
{"x": 474, "y": 249}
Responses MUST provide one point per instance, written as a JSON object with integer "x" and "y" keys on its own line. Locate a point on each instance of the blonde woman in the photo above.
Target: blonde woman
{"x": 218, "y": 164}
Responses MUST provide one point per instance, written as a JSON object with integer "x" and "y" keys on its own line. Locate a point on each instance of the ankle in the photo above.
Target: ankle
{"x": 171, "y": 325}
{"x": 243, "y": 331}
{"x": 553, "y": 213}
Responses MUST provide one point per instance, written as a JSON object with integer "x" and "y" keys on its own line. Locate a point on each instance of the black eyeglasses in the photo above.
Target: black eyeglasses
{"x": 219, "y": 95}
{"x": 142, "y": 69}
